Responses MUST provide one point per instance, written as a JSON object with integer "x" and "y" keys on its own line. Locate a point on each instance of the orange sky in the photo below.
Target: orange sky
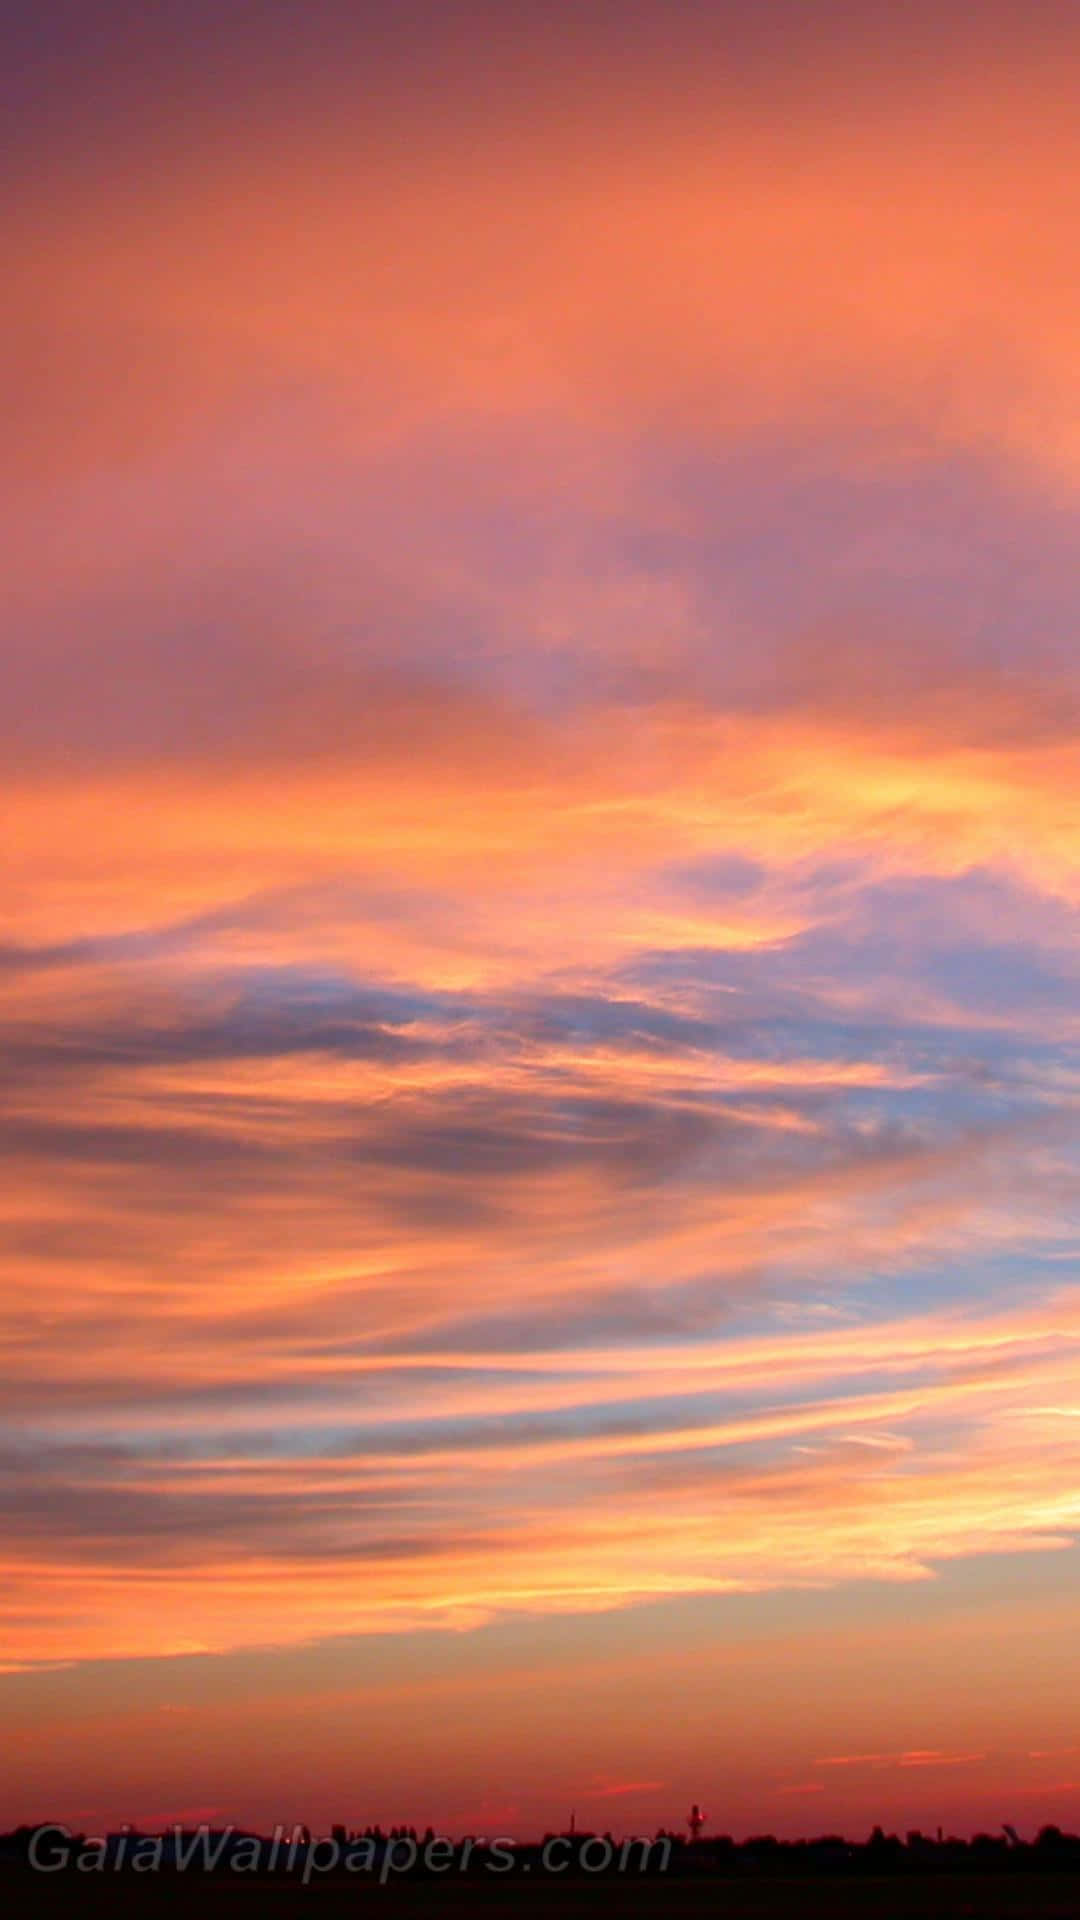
{"x": 538, "y": 908}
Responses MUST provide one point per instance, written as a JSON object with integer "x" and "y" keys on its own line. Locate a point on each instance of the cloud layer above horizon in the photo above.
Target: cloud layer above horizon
{"x": 539, "y": 985}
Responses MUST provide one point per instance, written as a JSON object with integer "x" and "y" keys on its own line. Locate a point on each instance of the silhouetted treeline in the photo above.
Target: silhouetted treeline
{"x": 400, "y": 1851}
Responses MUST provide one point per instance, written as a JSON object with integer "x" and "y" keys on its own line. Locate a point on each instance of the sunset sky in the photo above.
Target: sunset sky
{"x": 539, "y": 886}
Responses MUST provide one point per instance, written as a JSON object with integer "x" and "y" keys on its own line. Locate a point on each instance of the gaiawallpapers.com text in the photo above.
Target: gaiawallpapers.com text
{"x": 289, "y": 1850}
